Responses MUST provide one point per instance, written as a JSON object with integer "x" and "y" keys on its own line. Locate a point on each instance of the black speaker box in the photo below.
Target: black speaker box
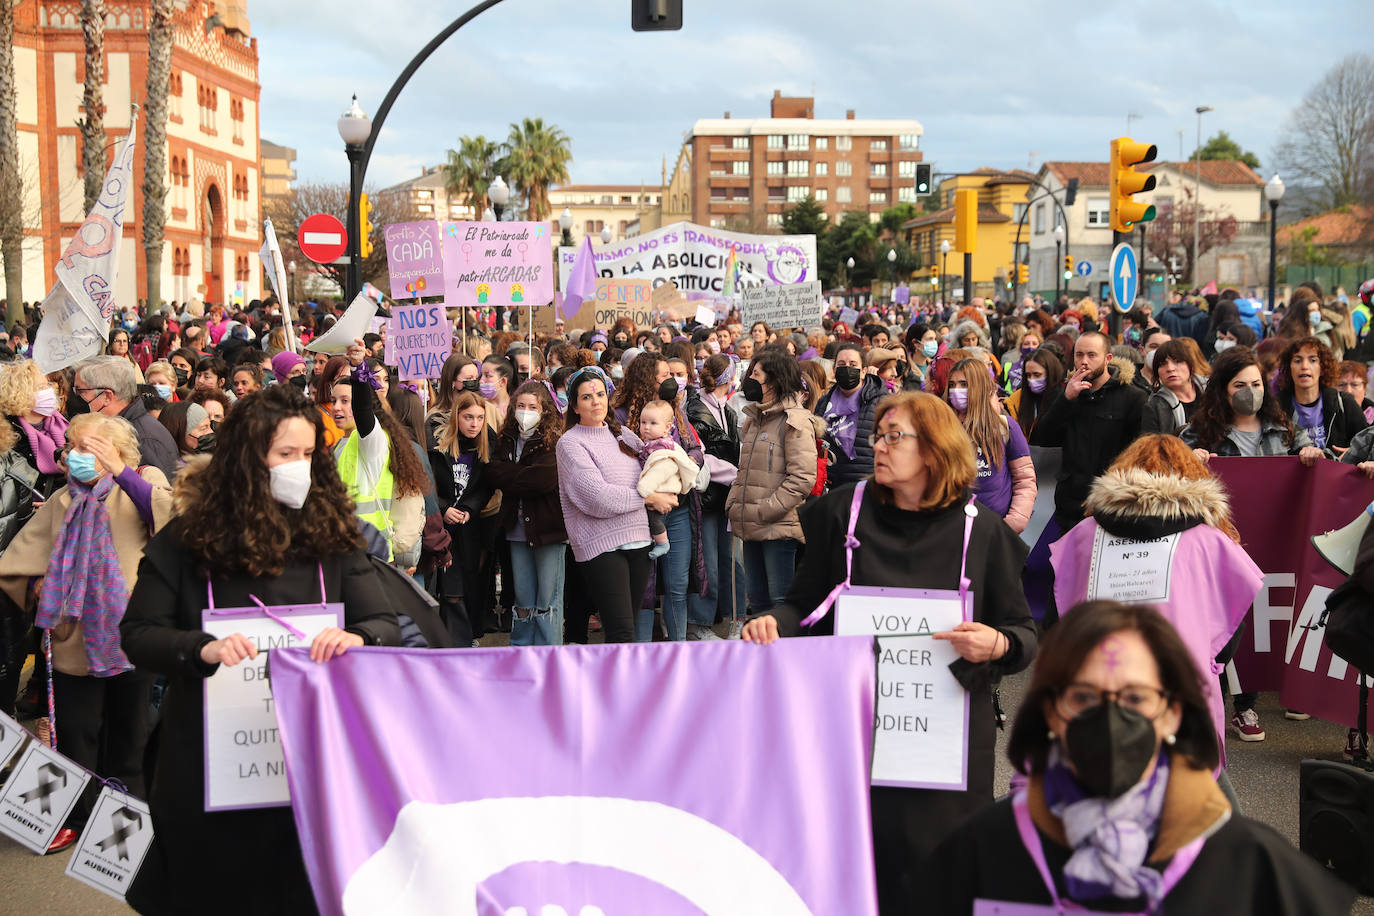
{"x": 1336, "y": 819}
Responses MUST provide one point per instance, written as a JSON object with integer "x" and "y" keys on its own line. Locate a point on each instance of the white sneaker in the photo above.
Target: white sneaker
{"x": 736, "y": 629}
{"x": 698, "y": 632}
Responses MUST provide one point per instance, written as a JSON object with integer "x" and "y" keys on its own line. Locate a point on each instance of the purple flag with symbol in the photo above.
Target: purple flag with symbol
{"x": 581, "y": 280}
{"x": 666, "y": 778}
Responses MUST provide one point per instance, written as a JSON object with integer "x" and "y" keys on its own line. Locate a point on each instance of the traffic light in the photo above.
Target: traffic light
{"x": 1071, "y": 192}
{"x": 922, "y": 179}
{"x": 1023, "y": 274}
{"x": 966, "y": 220}
{"x": 1068, "y": 267}
{"x": 934, "y": 276}
{"x": 1126, "y": 181}
{"x": 364, "y": 227}
{"x": 656, "y": 15}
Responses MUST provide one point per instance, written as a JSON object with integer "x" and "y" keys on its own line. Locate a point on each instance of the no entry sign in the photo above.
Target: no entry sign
{"x": 322, "y": 238}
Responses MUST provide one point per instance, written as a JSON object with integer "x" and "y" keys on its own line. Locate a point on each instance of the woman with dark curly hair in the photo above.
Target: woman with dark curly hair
{"x": 1306, "y": 385}
{"x": 266, "y": 518}
{"x": 1239, "y": 417}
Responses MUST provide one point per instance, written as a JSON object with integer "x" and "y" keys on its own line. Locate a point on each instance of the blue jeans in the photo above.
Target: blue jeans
{"x": 538, "y": 574}
{"x": 716, "y": 546}
{"x": 673, "y": 569}
{"x": 770, "y": 566}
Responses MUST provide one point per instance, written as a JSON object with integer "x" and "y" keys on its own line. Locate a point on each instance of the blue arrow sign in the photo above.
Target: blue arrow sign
{"x": 1084, "y": 268}
{"x": 1124, "y": 275}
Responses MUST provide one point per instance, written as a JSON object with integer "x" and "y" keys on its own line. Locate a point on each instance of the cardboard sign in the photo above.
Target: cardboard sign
{"x": 545, "y": 315}
{"x": 415, "y": 259}
{"x": 113, "y": 845}
{"x": 497, "y": 263}
{"x": 920, "y": 721}
{"x": 39, "y": 796}
{"x": 1134, "y": 572}
{"x": 795, "y": 305}
{"x": 422, "y": 338}
{"x": 668, "y": 301}
{"x": 243, "y": 757}
{"x": 614, "y": 298}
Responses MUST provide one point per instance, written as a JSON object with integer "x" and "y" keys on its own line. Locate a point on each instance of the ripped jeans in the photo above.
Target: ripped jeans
{"x": 538, "y": 574}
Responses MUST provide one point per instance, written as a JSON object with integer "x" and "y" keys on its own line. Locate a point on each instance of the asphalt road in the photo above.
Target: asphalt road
{"x": 1265, "y": 775}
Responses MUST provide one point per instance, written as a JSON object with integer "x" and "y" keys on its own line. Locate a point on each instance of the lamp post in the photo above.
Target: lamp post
{"x": 499, "y": 194}
{"x": 565, "y": 223}
{"x": 1197, "y": 188}
{"x": 354, "y": 129}
{"x": 1058, "y": 258}
{"x": 1273, "y": 192}
{"x": 849, "y": 287}
{"x": 892, "y": 273}
{"x": 944, "y": 275}
{"x": 605, "y": 235}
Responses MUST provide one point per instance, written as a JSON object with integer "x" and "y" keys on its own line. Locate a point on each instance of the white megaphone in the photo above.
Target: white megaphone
{"x": 1340, "y": 547}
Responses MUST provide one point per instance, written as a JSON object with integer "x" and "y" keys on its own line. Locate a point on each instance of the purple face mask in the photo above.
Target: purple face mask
{"x": 958, "y": 399}
{"x": 1037, "y": 385}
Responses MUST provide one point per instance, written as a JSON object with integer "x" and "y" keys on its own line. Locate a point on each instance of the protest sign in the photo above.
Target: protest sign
{"x": 414, "y": 259}
{"x": 12, "y": 737}
{"x": 113, "y": 844}
{"x": 591, "y": 828}
{"x": 669, "y": 304}
{"x": 356, "y": 321}
{"x": 614, "y": 298}
{"x": 497, "y": 264}
{"x": 796, "y": 305}
{"x": 243, "y": 757}
{"x": 422, "y": 338}
{"x": 38, "y": 796}
{"x": 1128, "y": 570}
{"x": 695, "y": 257}
{"x": 849, "y": 316}
{"x": 920, "y": 723}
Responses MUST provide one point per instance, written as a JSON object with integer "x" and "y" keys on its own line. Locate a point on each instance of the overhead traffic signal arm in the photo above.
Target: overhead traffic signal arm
{"x": 1126, "y": 181}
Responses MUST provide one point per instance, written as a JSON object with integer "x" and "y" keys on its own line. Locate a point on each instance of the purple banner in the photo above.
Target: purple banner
{"x": 415, "y": 259}
{"x": 666, "y": 778}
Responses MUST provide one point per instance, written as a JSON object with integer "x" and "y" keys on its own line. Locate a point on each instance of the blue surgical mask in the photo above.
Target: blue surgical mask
{"x": 930, "y": 348}
{"x": 163, "y": 391}
{"x": 1315, "y": 318}
{"x": 82, "y": 466}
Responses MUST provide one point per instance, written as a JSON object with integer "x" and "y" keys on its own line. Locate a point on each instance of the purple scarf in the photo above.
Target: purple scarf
{"x": 84, "y": 581}
{"x": 46, "y": 439}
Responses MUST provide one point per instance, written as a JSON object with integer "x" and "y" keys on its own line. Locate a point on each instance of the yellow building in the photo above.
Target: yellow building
{"x": 1002, "y": 199}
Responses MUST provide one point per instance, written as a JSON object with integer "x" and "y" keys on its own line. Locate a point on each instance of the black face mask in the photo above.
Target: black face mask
{"x": 206, "y": 443}
{"x": 299, "y": 381}
{"x": 847, "y": 377}
{"x": 752, "y": 390}
{"x": 521, "y": 378}
{"x": 472, "y": 385}
{"x": 668, "y": 390}
{"x": 1110, "y": 747}
{"x": 183, "y": 376}
{"x": 620, "y": 343}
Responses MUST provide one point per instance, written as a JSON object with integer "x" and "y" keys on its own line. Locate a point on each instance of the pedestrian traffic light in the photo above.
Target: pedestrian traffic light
{"x": 656, "y": 15}
{"x": 1126, "y": 181}
{"x": 1023, "y": 274}
{"x": 364, "y": 227}
{"x": 922, "y": 179}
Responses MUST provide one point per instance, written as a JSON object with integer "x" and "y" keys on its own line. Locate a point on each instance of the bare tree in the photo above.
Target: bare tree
{"x": 305, "y": 199}
{"x": 11, "y": 188}
{"x": 93, "y": 100}
{"x": 155, "y": 144}
{"x": 1169, "y": 237}
{"x": 1328, "y": 141}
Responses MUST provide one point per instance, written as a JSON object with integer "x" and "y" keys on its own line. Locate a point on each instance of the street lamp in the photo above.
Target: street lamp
{"x": 1197, "y": 187}
{"x": 1273, "y": 192}
{"x": 892, "y": 272}
{"x": 291, "y": 271}
{"x": 354, "y": 129}
{"x": 605, "y": 235}
{"x": 944, "y": 276}
{"x": 1058, "y": 255}
{"x": 499, "y": 195}
{"x": 565, "y": 223}
{"x": 849, "y": 288}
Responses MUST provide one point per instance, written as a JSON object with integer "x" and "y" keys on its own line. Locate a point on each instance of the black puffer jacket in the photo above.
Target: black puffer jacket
{"x": 844, "y": 470}
{"x": 717, "y": 441}
{"x": 1341, "y": 415}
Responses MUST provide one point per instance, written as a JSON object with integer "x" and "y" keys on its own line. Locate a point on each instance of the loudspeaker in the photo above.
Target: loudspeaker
{"x": 1336, "y": 819}
{"x": 1339, "y": 547}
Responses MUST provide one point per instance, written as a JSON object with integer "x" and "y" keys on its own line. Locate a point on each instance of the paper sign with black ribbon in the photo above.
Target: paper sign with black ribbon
{"x": 36, "y": 800}
{"x": 113, "y": 845}
{"x": 12, "y": 738}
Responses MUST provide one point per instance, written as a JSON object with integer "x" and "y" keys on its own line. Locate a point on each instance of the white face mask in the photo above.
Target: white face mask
{"x": 45, "y": 402}
{"x": 527, "y": 421}
{"x": 291, "y": 482}
{"x": 1224, "y": 345}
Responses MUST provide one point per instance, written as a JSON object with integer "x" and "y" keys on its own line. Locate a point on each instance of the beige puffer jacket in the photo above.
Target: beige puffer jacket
{"x": 777, "y": 469}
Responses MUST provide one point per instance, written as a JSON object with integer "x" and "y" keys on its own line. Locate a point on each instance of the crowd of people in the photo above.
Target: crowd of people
{"x": 682, "y": 482}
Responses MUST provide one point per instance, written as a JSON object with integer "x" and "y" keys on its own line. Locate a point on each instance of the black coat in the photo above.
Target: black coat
{"x": 468, "y": 542}
{"x": 161, "y": 633}
{"x": 155, "y": 445}
{"x": 844, "y": 470}
{"x": 717, "y": 441}
{"x": 528, "y": 487}
{"x": 1093, "y": 429}
{"x": 919, "y": 550}
{"x": 1341, "y": 413}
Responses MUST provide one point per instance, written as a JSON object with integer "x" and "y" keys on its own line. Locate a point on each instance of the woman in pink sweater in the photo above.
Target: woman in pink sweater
{"x": 608, "y": 528}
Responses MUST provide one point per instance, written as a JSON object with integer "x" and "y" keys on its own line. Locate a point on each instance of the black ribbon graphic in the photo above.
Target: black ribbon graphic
{"x": 48, "y": 776}
{"x": 126, "y": 823}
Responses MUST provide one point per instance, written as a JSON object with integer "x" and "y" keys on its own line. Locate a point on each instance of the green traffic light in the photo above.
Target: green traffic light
{"x": 1068, "y": 275}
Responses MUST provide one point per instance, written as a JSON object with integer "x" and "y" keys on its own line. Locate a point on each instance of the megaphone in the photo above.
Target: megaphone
{"x": 1340, "y": 547}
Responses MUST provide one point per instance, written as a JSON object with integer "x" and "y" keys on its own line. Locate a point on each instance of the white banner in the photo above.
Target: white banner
{"x": 694, "y": 257}
{"x": 797, "y": 305}
{"x": 90, "y": 262}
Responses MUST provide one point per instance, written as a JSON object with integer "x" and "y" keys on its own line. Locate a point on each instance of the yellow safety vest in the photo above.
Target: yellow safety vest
{"x": 372, "y": 507}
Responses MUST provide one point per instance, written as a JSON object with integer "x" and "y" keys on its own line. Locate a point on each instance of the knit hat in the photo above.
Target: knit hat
{"x": 284, "y": 362}
{"x": 195, "y": 415}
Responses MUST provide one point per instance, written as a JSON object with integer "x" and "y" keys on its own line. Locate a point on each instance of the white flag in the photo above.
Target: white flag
{"x": 270, "y": 255}
{"x": 356, "y": 321}
{"x": 67, "y": 334}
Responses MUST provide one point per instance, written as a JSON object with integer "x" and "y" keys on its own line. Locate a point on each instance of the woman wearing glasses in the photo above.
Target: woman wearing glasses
{"x": 914, "y": 526}
{"x": 1121, "y": 813}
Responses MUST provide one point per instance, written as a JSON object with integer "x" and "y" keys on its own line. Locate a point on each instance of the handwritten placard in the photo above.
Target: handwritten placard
{"x": 920, "y": 720}
{"x": 794, "y": 305}
{"x": 112, "y": 846}
{"x": 632, "y": 298}
{"x": 497, "y": 264}
{"x": 1122, "y": 569}
{"x": 421, "y": 337}
{"x": 414, "y": 259}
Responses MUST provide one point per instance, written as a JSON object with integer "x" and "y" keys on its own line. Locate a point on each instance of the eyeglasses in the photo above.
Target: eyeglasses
{"x": 1076, "y": 699}
{"x": 78, "y": 389}
{"x": 891, "y": 437}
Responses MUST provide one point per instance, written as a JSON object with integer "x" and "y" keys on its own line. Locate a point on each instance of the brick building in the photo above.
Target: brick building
{"x": 213, "y": 224}
{"x": 746, "y": 172}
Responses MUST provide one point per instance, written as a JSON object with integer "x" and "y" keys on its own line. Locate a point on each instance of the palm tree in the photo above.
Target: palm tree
{"x": 93, "y": 124}
{"x": 155, "y": 144}
{"x": 11, "y": 189}
{"x": 470, "y": 169}
{"x": 539, "y": 157}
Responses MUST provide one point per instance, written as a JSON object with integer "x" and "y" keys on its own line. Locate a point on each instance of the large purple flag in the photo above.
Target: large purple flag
{"x": 581, "y": 281}
{"x": 668, "y": 778}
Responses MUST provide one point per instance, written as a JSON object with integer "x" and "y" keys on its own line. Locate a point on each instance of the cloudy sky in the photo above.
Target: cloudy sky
{"x": 994, "y": 83}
